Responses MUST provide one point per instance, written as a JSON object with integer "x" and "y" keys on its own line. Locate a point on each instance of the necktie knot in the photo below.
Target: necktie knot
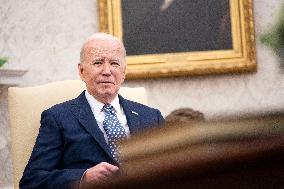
{"x": 108, "y": 108}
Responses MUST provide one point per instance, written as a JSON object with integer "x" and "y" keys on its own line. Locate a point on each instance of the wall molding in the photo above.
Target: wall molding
{"x": 11, "y": 77}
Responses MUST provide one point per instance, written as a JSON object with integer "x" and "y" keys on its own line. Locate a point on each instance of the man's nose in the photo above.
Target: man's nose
{"x": 106, "y": 68}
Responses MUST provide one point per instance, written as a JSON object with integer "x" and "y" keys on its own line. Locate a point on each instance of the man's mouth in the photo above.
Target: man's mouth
{"x": 106, "y": 82}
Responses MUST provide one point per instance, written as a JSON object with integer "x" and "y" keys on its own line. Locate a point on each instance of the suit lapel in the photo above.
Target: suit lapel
{"x": 132, "y": 116}
{"x": 82, "y": 110}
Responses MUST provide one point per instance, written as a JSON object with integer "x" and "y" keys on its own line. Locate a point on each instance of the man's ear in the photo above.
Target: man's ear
{"x": 81, "y": 70}
{"x": 123, "y": 76}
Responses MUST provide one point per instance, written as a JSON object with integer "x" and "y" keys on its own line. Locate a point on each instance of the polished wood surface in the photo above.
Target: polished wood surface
{"x": 241, "y": 153}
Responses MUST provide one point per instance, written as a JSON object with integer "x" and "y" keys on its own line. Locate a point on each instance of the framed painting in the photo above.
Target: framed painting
{"x": 166, "y": 38}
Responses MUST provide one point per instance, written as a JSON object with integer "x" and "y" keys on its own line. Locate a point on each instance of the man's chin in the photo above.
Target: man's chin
{"x": 106, "y": 85}
{"x": 108, "y": 91}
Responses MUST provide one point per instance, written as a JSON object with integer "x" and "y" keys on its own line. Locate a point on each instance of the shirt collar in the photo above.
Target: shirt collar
{"x": 97, "y": 106}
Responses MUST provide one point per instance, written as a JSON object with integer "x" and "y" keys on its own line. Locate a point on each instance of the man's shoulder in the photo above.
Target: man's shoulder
{"x": 147, "y": 115}
{"x": 132, "y": 104}
{"x": 66, "y": 104}
{"x": 60, "y": 106}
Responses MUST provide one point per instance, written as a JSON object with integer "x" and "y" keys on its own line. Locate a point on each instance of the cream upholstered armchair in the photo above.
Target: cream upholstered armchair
{"x": 26, "y": 105}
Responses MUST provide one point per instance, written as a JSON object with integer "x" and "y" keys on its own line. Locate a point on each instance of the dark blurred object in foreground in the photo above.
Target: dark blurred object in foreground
{"x": 244, "y": 153}
{"x": 184, "y": 116}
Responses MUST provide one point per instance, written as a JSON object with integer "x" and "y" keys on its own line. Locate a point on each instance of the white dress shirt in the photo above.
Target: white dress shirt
{"x": 99, "y": 115}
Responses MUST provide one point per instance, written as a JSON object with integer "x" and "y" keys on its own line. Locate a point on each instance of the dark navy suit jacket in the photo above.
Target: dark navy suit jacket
{"x": 70, "y": 141}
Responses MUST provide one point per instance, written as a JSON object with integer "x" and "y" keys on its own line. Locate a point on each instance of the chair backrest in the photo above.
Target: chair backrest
{"x": 26, "y": 105}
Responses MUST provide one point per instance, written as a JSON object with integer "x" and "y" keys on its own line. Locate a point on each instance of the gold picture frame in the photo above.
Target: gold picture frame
{"x": 240, "y": 57}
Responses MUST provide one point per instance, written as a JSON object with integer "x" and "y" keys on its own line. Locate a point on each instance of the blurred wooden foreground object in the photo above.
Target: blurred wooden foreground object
{"x": 246, "y": 153}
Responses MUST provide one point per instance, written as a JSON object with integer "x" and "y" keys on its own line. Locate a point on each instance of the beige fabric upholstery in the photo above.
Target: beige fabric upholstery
{"x": 26, "y": 105}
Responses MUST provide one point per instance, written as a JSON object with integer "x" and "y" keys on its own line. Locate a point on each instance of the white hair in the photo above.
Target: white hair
{"x": 101, "y": 36}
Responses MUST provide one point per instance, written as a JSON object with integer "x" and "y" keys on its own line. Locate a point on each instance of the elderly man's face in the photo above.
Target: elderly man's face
{"x": 103, "y": 69}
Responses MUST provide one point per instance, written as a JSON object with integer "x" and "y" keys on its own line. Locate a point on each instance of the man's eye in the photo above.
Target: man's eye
{"x": 114, "y": 63}
{"x": 97, "y": 62}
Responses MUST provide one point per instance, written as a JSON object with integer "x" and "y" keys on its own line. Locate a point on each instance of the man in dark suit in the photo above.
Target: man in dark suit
{"x": 77, "y": 140}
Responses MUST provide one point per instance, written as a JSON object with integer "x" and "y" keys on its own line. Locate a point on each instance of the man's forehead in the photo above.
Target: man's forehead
{"x": 104, "y": 49}
{"x": 98, "y": 52}
{"x": 102, "y": 52}
{"x": 104, "y": 44}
